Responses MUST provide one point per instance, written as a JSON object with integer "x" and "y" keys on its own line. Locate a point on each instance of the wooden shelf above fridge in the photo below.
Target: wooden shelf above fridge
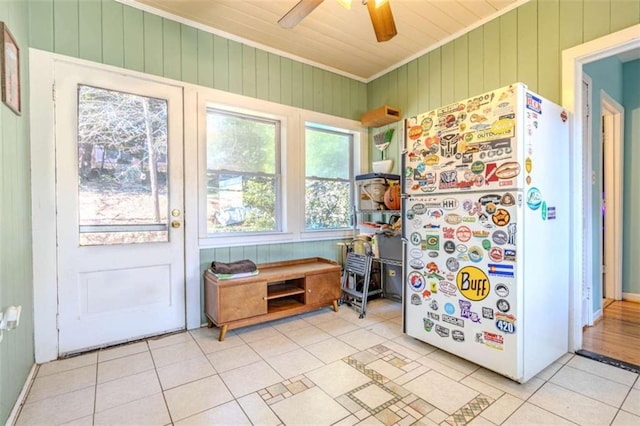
{"x": 380, "y": 116}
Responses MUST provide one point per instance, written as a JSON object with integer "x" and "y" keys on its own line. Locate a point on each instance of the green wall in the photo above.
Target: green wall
{"x": 523, "y": 45}
{"x": 606, "y": 74}
{"x": 16, "y": 278}
{"x": 115, "y": 34}
{"x": 631, "y": 242}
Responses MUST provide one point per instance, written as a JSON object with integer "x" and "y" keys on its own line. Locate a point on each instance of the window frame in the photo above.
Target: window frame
{"x": 293, "y": 122}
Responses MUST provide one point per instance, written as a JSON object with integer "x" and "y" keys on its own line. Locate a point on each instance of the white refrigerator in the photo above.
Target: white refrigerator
{"x": 486, "y": 227}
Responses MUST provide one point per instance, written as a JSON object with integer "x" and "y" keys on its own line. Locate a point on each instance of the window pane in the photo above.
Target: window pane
{"x": 122, "y": 167}
{"x": 328, "y": 188}
{"x": 242, "y": 183}
{"x": 327, "y": 154}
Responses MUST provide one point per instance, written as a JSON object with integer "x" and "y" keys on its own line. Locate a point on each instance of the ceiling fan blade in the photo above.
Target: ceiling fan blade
{"x": 382, "y": 20}
{"x": 298, "y": 13}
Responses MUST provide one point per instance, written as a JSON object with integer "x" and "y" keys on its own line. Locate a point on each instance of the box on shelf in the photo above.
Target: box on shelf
{"x": 371, "y": 189}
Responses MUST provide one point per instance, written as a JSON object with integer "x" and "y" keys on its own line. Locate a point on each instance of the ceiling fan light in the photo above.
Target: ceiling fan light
{"x": 382, "y": 19}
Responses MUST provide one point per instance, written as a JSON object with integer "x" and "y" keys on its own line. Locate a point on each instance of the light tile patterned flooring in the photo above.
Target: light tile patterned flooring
{"x": 319, "y": 368}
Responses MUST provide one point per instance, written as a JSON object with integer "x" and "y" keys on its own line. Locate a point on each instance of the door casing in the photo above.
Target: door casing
{"x": 613, "y": 132}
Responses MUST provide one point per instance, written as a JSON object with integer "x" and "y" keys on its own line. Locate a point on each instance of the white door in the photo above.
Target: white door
{"x": 119, "y": 196}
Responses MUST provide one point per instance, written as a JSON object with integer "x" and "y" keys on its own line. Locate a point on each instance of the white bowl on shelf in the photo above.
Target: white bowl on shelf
{"x": 382, "y": 166}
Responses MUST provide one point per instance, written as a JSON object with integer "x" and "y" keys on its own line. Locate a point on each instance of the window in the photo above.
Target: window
{"x": 243, "y": 173}
{"x": 328, "y": 159}
{"x": 122, "y": 167}
{"x": 270, "y": 173}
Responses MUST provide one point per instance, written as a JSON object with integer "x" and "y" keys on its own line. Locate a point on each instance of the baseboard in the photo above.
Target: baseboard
{"x": 631, "y": 297}
{"x": 22, "y": 397}
{"x": 597, "y": 316}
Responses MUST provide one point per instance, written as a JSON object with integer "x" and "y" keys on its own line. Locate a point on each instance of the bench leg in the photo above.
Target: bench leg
{"x": 335, "y": 306}
{"x": 223, "y": 332}
{"x": 209, "y": 323}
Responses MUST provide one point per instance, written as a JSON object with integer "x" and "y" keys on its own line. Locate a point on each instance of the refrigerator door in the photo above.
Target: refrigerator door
{"x": 465, "y": 146}
{"x": 461, "y": 275}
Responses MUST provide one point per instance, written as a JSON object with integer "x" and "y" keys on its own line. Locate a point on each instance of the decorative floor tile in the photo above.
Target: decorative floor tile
{"x": 472, "y": 409}
{"x": 380, "y": 397}
{"x": 288, "y": 388}
{"x": 372, "y": 374}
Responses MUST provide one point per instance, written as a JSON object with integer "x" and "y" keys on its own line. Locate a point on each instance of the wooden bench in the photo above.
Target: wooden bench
{"x": 279, "y": 290}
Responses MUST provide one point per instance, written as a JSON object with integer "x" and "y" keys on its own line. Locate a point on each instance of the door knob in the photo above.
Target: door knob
{"x": 175, "y": 224}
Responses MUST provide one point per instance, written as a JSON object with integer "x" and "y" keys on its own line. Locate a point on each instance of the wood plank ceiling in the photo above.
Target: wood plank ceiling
{"x": 333, "y": 37}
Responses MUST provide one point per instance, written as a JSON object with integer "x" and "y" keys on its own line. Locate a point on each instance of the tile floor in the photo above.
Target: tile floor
{"x": 319, "y": 368}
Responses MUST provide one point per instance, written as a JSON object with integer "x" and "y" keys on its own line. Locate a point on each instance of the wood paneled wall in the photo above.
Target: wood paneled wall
{"x": 109, "y": 32}
{"x": 16, "y": 259}
{"x": 523, "y": 45}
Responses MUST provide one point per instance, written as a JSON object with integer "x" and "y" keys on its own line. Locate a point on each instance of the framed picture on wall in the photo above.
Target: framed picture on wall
{"x": 10, "y": 69}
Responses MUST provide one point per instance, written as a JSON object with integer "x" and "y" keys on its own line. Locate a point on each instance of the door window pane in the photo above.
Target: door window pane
{"x": 328, "y": 184}
{"x": 242, "y": 173}
{"x": 122, "y": 167}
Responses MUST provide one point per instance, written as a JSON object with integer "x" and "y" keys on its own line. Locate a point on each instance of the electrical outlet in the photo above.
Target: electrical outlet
{"x": 10, "y": 319}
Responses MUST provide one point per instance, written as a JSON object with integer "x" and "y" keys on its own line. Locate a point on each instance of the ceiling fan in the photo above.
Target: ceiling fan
{"x": 379, "y": 12}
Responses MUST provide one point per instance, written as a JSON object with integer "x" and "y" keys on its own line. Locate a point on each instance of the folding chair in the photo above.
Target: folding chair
{"x": 356, "y": 276}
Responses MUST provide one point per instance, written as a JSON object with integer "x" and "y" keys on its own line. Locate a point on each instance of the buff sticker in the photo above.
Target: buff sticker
{"x": 473, "y": 283}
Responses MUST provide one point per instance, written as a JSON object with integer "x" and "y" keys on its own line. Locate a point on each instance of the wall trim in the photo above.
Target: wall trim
{"x": 22, "y": 397}
{"x": 612, "y": 114}
{"x": 631, "y": 297}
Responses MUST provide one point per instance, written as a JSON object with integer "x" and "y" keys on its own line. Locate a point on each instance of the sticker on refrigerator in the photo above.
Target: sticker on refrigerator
{"x": 442, "y": 331}
{"x": 428, "y": 324}
{"x": 487, "y": 313}
{"x": 490, "y": 340}
{"x": 551, "y": 213}
{"x": 463, "y": 234}
{"x": 450, "y": 204}
{"x": 534, "y": 103}
{"x": 416, "y": 281}
{"x": 447, "y": 288}
{"x": 473, "y": 283}
{"x": 503, "y": 305}
{"x": 457, "y": 335}
{"x": 502, "y": 290}
{"x": 452, "y": 320}
{"x": 506, "y": 326}
{"x": 416, "y": 299}
{"x": 475, "y": 254}
{"x": 534, "y": 198}
{"x": 465, "y": 311}
{"x": 501, "y": 217}
{"x": 501, "y": 270}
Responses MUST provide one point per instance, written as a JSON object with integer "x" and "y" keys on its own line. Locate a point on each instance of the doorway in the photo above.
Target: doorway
{"x": 582, "y": 213}
{"x": 108, "y": 225}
